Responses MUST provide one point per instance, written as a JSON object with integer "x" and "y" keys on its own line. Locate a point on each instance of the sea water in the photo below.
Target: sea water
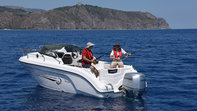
{"x": 170, "y": 67}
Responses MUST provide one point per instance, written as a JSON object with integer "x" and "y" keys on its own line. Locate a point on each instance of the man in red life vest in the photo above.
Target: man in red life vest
{"x": 88, "y": 58}
{"x": 116, "y": 55}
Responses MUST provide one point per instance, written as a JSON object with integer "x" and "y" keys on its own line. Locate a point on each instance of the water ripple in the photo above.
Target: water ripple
{"x": 169, "y": 65}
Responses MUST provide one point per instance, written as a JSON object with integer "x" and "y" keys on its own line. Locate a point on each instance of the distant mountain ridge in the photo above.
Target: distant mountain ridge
{"x": 83, "y": 17}
{"x": 25, "y": 9}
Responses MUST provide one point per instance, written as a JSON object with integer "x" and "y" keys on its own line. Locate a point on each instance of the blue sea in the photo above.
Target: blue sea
{"x": 170, "y": 66}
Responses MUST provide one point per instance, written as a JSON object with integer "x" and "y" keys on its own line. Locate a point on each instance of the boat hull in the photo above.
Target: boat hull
{"x": 65, "y": 81}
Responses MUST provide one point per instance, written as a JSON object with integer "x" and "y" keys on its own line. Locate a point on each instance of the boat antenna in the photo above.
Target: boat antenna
{"x": 25, "y": 49}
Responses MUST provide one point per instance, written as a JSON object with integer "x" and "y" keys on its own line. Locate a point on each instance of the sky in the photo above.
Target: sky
{"x": 179, "y": 14}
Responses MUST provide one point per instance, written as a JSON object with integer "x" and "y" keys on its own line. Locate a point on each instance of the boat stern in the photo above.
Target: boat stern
{"x": 134, "y": 84}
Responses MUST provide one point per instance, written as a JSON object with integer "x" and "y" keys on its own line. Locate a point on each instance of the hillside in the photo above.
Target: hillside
{"x": 25, "y": 9}
{"x": 79, "y": 17}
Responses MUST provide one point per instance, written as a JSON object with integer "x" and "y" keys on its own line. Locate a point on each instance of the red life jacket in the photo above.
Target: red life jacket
{"x": 88, "y": 54}
{"x": 115, "y": 52}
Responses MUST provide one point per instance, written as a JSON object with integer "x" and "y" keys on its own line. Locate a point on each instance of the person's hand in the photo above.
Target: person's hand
{"x": 128, "y": 54}
{"x": 92, "y": 60}
{"x": 118, "y": 59}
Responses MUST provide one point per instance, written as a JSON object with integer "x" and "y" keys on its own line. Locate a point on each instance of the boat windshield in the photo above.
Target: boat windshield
{"x": 46, "y": 49}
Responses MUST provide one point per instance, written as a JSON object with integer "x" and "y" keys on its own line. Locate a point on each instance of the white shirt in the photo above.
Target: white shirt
{"x": 112, "y": 52}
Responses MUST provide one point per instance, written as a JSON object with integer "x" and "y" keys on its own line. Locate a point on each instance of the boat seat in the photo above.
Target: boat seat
{"x": 60, "y": 54}
{"x": 67, "y": 59}
{"x": 79, "y": 61}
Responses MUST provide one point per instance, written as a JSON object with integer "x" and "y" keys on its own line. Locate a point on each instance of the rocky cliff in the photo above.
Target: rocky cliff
{"x": 79, "y": 17}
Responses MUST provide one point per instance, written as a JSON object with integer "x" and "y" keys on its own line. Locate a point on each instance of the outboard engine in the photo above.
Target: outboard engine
{"x": 134, "y": 84}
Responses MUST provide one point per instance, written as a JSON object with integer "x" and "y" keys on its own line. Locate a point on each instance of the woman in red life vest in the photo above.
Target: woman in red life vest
{"x": 116, "y": 55}
{"x": 88, "y": 58}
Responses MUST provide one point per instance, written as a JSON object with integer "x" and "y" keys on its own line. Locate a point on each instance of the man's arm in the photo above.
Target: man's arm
{"x": 124, "y": 52}
{"x": 88, "y": 60}
{"x": 114, "y": 58}
{"x": 128, "y": 54}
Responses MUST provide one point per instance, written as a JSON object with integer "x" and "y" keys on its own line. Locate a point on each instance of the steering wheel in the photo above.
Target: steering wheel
{"x": 75, "y": 54}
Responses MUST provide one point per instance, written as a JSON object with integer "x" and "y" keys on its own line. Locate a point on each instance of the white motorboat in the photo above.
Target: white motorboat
{"x": 58, "y": 67}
